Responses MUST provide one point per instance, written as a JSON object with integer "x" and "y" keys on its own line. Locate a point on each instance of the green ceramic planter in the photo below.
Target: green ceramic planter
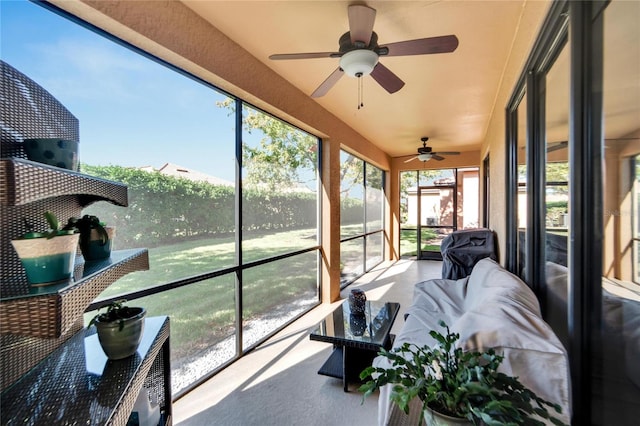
{"x": 47, "y": 261}
{"x": 122, "y": 340}
{"x": 53, "y": 151}
{"x": 93, "y": 248}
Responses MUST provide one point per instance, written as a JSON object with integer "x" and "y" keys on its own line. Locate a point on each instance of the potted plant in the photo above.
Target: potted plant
{"x": 119, "y": 329}
{"x": 457, "y": 384}
{"x": 47, "y": 257}
{"x": 95, "y": 236}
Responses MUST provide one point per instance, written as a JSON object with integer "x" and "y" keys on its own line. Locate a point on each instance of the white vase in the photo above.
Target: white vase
{"x": 433, "y": 418}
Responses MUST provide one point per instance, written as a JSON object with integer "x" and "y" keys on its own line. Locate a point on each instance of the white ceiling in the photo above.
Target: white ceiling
{"x": 447, "y": 97}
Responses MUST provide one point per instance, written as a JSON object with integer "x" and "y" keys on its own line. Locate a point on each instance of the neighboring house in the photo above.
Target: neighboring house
{"x": 170, "y": 169}
{"x": 437, "y": 202}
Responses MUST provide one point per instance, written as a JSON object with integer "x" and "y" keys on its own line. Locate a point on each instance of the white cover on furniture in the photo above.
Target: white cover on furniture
{"x": 491, "y": 308}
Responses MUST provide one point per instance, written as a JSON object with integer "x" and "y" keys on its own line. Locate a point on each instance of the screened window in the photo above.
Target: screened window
{"x": 435, "y": 203}
{"x": 362, "y": 201}
{"x": 212, "y": 230}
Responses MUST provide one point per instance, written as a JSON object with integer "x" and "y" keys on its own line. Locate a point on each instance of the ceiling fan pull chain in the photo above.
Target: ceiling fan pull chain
{"x": 360, "y": 91}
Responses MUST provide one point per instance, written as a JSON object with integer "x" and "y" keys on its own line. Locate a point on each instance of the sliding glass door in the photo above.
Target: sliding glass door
{"x": 436, "y": 218}
{"x": 433, "y": 204}
{"x": 576, "y": 246}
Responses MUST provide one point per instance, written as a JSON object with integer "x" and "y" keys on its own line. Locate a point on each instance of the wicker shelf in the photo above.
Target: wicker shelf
{"x": 25, "y": 181}
{"x": 77, "y": 384}
{"x": 49, "y": 312}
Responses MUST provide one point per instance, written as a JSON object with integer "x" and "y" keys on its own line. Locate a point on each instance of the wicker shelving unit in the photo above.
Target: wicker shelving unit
{"x": 77, "y": 384}
{"x": 51, "y": 312}
{"x": 29, "y": 181}
{"x": 43, "y": 344}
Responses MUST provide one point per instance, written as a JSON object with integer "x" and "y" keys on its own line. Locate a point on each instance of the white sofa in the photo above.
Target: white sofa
{"x": 491, "y": 308}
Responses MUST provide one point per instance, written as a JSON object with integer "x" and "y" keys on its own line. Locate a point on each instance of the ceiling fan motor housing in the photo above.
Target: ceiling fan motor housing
{"x": 346, "y": 45}
{"x": 359, "y": 62}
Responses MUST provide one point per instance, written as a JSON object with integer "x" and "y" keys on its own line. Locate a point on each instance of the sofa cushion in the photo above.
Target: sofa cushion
{"x": 531, "y": 350}
{"x": 440, "y": 295}
{"x": 489, "y": 281}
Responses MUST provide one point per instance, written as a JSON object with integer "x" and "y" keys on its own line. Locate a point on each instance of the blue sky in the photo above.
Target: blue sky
{"x": 132, "y": 111}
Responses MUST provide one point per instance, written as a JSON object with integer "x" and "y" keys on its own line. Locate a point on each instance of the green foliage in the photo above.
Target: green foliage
{"x": 54, "y": 228}
{"x": 351, "y": 211}
{"x": 85, "y": 224}
{"x": 409, "y": 180}
{"x": 457, "y": 383}
{"x": 285, "y": 151}
{"x": 558, "y": 204}
{"x": 165, "y": 208}
{"x": 116, "y": 311}
{"x": 557, "y": 172}
{"x": 281, "y": 155}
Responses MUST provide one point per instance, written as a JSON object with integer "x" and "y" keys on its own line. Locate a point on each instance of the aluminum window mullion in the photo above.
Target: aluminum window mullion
{"x": 238, "y": 220}
{"x": 319, "y": 207}
{"x": 364, "y": 216}
{"x": 536, "y": 156}
{"x": 586, "y": 203}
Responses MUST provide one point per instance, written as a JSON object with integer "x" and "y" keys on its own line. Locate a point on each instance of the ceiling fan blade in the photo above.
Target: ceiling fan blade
{"x": 446, "y": 153}
{"x": 556, "y": 146}
{"x": 437, "y": 157}
{"x": 328, "y": 83}
{"x": 280, "y": 56}
{"x": 387, "y": 79}
{"x": 410, "y": 159}
{"x": 361, "y": 19}
{"x": 422, "y": 46}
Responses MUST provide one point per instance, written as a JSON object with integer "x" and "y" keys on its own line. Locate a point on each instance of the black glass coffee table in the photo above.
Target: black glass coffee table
{"x": 356, "y": 338}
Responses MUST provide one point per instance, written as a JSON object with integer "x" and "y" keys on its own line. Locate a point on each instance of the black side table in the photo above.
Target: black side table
{"x": 356, "y": 338}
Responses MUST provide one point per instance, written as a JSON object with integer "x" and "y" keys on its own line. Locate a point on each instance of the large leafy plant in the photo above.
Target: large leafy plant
{"x": 54, "y": 228}
{"x": 458, "y": 383}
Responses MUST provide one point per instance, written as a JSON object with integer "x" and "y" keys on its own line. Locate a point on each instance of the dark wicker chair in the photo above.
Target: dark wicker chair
{"x": 461, "y": 250}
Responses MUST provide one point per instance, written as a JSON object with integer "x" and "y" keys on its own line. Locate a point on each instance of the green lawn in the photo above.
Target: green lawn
{"x": 204, "y": 313}
{"x": 186, "y": 259}
{"x": 409, "y": 242}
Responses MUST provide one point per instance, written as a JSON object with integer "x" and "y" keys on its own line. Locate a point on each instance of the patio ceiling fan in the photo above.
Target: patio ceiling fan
{"x": 359, "y": 52}
{"x": 426, "y": 153}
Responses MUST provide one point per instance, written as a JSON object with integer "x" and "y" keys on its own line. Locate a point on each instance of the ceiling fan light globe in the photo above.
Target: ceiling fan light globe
{"x": 424, "y": 157}
{"x": 359, "y": 62}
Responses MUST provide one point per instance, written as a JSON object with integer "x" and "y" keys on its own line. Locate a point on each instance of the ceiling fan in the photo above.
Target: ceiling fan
{"x": 425, "y": 153}
{"x": 359, "y": 52}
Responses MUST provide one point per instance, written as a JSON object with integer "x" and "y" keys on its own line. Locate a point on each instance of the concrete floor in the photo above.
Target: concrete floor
{"x": 278, "y": 384}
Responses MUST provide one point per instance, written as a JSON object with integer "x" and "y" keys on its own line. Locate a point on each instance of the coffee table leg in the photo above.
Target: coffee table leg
{"x": 345, "y": 379}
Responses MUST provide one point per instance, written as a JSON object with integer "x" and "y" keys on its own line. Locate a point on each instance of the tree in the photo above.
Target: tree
{"x": 285, "y": 156}
{"x": 282, "y": 156}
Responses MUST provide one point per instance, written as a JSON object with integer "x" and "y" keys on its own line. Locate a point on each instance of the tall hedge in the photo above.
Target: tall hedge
{"x": 163, "y": 208}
